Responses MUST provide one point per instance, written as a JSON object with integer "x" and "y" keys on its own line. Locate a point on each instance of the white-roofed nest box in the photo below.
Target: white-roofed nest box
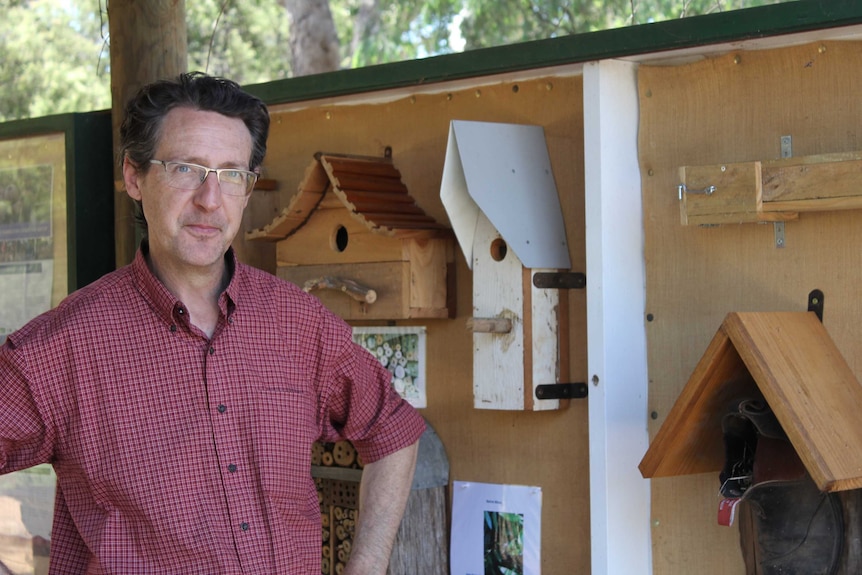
{"x": 499, "y": 192}
{"x": 354, "y": 236}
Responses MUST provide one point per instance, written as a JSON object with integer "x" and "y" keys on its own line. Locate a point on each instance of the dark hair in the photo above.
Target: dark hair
{"x": 146, "y": 111}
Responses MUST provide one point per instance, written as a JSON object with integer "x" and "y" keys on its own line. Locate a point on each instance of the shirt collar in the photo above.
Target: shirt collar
{"x": 167, "y": 306}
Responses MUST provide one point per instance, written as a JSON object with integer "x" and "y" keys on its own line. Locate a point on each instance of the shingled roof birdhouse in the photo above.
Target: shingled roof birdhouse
{"x": 500, "y": 194}
{"x": 354, "y": 236}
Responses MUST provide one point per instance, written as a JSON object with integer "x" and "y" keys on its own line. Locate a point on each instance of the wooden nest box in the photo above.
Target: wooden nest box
{"x": 788, "y": 359}
{"x": 354, "y": 235}
{"x": 499, "y": 192}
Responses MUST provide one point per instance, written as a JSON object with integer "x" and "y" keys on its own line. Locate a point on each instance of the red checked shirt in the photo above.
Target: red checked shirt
{"x": 176, "y": 453}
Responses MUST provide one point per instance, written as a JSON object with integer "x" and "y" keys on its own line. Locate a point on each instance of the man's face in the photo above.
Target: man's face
{"x": 190, "y": 230}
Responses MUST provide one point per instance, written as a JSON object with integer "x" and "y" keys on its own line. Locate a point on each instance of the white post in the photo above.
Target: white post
{"x": 616, "y": 336}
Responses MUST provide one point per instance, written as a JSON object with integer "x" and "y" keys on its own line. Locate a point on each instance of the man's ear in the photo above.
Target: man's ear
{"x": 132, "y": 179}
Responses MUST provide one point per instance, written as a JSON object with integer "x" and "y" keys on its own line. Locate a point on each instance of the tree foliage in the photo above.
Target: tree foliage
{"x": 496, "y": 22}
{"x": 51, "y": 59}
{"x": 245, "y": 40}
{"x": 55, "y": 52}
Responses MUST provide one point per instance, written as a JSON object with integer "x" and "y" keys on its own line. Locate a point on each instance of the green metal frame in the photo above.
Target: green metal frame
{"x": 89, "y": 188}
{"x": 731, "y": 26}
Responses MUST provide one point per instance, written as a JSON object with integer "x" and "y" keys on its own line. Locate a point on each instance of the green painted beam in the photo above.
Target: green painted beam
{"x": 731, "y": 26}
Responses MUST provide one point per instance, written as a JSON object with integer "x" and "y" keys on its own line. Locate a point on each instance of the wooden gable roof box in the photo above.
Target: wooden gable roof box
{"x": 788, "y": 358}
{"x": 354, "y": 235}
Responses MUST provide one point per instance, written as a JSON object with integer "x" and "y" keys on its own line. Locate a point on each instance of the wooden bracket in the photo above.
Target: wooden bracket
{"x": 769, "y": 190}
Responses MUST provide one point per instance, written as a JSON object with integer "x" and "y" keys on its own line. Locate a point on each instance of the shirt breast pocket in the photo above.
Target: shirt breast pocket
{"x": 285, "y": 420}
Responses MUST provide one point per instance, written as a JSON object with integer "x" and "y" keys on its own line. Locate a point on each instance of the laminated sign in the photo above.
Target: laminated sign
{"x": 496, "y": 529}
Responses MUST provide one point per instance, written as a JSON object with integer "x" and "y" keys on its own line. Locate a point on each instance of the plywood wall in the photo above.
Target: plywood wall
{"x": 733, "y": 108}
{"x": 548, "y": 449}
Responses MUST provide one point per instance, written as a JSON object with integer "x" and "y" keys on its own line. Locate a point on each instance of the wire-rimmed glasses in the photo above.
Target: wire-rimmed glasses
{"x": 186, "y": 176}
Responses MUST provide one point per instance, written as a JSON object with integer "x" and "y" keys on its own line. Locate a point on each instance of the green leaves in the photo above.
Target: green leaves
{"x": 244, "y": 41}
{"x": 53, "y": 60}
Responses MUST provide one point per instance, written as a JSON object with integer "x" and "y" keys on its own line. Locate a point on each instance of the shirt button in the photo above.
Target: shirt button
{"x": 243, "y": 526}
{"x": 231, "y": 467}
{"x": 173, "y": 327}
{"x": 181, "y": 311}
{"x": 222, "y": 408}
{"x": 212, "y": 350}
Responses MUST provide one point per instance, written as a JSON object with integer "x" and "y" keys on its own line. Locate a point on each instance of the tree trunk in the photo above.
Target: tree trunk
{"x": 314, "y": 46}
{"x": 148, "y": 42}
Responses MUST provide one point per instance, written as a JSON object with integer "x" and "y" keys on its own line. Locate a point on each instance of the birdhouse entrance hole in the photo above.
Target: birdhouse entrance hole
{"x": 498, "y": 250}
{"x": 340, "y": 239}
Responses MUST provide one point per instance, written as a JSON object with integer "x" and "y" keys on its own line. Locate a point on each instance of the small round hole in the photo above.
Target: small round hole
{"x": 341, "y": 239}
{"x": 498, "y": 250}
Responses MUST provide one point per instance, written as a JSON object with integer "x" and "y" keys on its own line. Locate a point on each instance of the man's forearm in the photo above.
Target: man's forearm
{"x": 383, "y": 495}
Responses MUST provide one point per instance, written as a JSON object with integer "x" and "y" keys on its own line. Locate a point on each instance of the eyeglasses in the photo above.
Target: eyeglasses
{"x": 184, "y": 176}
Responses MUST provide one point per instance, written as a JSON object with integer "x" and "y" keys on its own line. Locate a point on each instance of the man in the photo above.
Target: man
{"x": 178, "y": 398}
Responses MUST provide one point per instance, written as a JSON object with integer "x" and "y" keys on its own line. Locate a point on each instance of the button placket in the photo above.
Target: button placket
{"x": 225, "y": 407}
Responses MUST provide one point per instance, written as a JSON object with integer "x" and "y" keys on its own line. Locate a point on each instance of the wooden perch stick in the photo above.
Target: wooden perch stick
{"x": 489, "y": 325}
{"x": 352, "y": 288}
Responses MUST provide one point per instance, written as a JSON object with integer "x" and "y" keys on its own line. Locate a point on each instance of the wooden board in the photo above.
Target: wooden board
{"x": 389, "y": 280}
{"x": 422, "y": 543}
{"x": 691, "y": 440}
{"x": 521, "y": 448}
{"x": 774, "y": 190}
{"x": 498, "y": 358}
{"x": 430, "y": 273}
{"x": 547, "y": 357}
{"x": 318, "y": 241}
{"x": 809, "y": 386}
{"x": 736, "y": 107}
{"x": 814, "y": 183}
{"x": 737, "y": 195}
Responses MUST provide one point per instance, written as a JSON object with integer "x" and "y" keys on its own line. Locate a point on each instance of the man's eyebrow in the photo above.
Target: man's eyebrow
{"x": 200, "y": 162}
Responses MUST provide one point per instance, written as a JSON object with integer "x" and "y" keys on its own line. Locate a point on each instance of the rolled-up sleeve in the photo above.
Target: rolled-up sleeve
{"x": 361, "y": 405}
{"x": 25, "y": 439}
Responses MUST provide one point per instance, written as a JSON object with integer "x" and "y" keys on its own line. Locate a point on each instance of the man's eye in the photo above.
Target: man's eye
{"x": 184, "y": 169}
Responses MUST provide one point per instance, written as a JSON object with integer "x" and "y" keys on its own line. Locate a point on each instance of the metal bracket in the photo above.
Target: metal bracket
{"x": 562, "y": 391}
{"x": 560, "y": 280}
{"x": 707, "y": 191}
{"x": 815, "y": 303}
{"x": 778, "y": 227}
{"x": 778, "y": 232}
